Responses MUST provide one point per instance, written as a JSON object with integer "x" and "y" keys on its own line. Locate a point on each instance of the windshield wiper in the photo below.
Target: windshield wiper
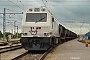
{"x": 40, "y": 19}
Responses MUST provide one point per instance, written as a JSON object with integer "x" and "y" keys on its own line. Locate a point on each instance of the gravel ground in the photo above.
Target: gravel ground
{"x": 31, "y": 57}
{"x": 10, "y": 54}
{"x": 71, "y": 50}
{"x": 3, "y": 55}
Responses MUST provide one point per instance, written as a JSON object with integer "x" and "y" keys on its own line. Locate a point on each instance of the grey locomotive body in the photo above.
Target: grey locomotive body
{"x": 40, "y": 30}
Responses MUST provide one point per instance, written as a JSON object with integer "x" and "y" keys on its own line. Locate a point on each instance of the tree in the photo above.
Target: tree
{"x": 7, "y": 33}
{"x": 1, "y": 35}
{"x": 19, "y": 35}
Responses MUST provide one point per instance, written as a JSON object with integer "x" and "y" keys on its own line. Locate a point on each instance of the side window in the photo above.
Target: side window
{"x": 52, "y": 19}
{"x": 52, "y": 22}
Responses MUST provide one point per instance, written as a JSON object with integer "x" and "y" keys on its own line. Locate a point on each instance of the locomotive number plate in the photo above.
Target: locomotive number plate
{"x": 35, "y": 36}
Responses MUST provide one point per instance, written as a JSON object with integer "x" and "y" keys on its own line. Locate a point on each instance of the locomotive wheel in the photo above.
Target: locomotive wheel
{"x": 52, "y": 41}
{"x": 59, "y": 40}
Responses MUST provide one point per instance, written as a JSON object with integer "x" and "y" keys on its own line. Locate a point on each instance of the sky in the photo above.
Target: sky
{"x": 73, "y": 14}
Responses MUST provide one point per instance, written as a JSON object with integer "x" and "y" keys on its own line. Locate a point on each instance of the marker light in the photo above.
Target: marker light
{"x": 30, "y": 9}
{"x": 50, "y": 33}
{"x": 39, "y": 27}
{"x": 25, "y": 33}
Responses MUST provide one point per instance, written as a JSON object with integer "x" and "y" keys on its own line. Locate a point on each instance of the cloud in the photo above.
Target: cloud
{"x": 73, "y": 14}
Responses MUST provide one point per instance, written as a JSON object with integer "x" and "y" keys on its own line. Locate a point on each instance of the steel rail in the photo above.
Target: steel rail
{"x": 16, "y": 58}
{"x": 6, "y": 49}
{"x": 48, "y": 51}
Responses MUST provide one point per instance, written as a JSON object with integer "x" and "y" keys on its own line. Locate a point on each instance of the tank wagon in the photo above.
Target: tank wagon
{"x": 40, "y": 30}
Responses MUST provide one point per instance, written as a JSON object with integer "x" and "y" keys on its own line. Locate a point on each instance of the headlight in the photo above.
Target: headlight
{"x": 46, "y": 34}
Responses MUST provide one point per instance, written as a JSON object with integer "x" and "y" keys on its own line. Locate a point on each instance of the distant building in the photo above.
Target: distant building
{"x": 88, "y": 35}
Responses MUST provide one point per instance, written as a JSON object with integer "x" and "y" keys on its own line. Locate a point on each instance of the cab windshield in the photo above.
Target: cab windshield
{"x": 36, "y": 17}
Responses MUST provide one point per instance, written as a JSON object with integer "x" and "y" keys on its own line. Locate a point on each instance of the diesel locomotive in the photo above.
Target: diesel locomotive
{"x": 40, "y": 30}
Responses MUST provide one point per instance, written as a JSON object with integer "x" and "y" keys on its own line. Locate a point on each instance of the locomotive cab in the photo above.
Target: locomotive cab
{"x": 37, "y": 29}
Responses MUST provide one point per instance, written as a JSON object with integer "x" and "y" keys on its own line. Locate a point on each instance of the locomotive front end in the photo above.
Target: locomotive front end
{"x": 36, "y": 30}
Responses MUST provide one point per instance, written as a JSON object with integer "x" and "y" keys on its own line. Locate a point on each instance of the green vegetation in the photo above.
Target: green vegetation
{"x": 8, "y": 33}
{"x": 1, "y": 35}
{"x": 15, "y": 36}
{"x": 12, "y": 35}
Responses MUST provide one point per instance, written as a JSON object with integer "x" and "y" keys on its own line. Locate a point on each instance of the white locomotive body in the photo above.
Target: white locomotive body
{"x": 39, "y": 29}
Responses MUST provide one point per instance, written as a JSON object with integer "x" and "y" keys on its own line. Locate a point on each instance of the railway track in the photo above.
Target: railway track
{"x": 6, "y": 49}
{"x": 33, "y": 55}
{"x": 28, "y": 56}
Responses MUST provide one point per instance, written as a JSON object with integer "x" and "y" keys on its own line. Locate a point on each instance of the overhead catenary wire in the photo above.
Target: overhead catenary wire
{"x": 52, "y": 10}
{"x": 22, "y": 4}
{"x": 44, "y": 4}
{"x": 14, "y": 15}
{"x": 16, "y": 5}
{"x": 50, "y": 5}
{"x": 54, "y": 13}
{"x": 74, "y": 5}
{"x": 50, "y": 1}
